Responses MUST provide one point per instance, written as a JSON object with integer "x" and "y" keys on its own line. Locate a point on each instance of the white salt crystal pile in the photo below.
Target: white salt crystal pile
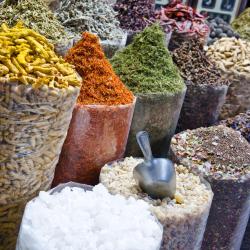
{"x": 93, "y": 220}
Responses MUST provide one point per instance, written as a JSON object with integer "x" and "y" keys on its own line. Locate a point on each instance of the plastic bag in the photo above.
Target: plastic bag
{"x": 202, "y": 105}
{"x": 33, "y": 127}
{"x": 238, "y": 95}
{"x": 158, "y": 115}
{"x": 177, "y": 38}
{"x": 97, "y": 134}
{"x": 21, "y": 245}
{"x": 229, "y": 214}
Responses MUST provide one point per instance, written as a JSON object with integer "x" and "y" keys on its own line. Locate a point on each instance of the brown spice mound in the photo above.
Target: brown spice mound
{"x": 215, "y": 151}
{"x": 100, "y": 83}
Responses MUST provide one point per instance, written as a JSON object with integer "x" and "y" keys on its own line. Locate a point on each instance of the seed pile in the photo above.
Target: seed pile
{"x": 241, "y": 24}
{"x": 240, "y": 123}
{"x": 217, "y": 152}
{"x": 183, "y": 218}
{"x": 231, "y": 54}
{"x": 218, "y": 29}
{"x": 100, "y": 84}
{"x": 146, "y": 66}
{"x": 176, "y": 16}
{"x": 135, "y": 15}
{"x": 95, "y": 16}
{"x": 35, "y": 15}
{"x": 195, "y": 66}
{"x": 27, "y": 57}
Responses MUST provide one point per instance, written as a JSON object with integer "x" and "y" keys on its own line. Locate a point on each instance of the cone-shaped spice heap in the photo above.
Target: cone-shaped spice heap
{"x": 146, "y": 66}
{"x": 100, "y": 84}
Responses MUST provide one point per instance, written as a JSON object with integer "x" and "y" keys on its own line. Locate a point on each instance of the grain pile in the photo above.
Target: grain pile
{"x": 184, "y": 218}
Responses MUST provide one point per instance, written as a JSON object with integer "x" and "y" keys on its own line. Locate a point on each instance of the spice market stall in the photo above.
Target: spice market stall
{"x": 101, "y": 119}
{"x": 146, "y": 67}
{"x": 38, "y": 91}
{"x": 222, "y": 156}
{"x": 183, "y": 218}
{"x": 206, "y": 90}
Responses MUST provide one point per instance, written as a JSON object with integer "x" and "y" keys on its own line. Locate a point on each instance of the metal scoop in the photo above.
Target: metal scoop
{"x": 155, "y": 176}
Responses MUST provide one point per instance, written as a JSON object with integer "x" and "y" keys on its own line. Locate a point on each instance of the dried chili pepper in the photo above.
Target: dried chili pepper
{"x": 100, "y": 84}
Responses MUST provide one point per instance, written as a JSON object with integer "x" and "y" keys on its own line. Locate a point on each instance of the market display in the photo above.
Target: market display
{"x": 183, "y": 22}
{"x": 101, "y": 120}
{"x": 206, "y": 90}
{"x": 218, "y": 29}
{"x": 232, "y": 56}
{"x": 37, "y": 16}
{"x": 38, "y": 91}
{"x": 111, "y": 222}
{"x": 183, "y": 218}
{"x": 95, "y": 16}
{"x": 241, "y": 24}
{"x": 240, "y": 123}
{"x": 222, "y": 156}
{"x": 146, "y": 67}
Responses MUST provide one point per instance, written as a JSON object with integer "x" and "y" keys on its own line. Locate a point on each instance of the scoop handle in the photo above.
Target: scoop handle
{"x": 144, "y": 143}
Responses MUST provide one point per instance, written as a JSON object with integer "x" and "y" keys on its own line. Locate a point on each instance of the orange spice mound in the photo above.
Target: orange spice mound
{"x": 100, "y": 83}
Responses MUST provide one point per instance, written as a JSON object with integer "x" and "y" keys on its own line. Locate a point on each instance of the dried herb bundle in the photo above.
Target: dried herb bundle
{"x": 195, "y": 66}
{"x": 146, "y": 66}
{"x": 35, "y": 15}
{"x": 135, "y": 15}
{"x": 95, "y": 16}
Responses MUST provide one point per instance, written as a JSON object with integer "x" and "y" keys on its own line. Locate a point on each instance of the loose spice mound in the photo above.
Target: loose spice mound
{"x": 218, "y": 152}
{"x": 146, "y": 66}
{"x": 195, "y": 66}
{"x": 35, "y": 15}
{"x": 95, "y": 16}
{"x": 100, "y": 84}
{"x": 135, "y": 15}
{"x": 241, "y": 24}
{"x": 27, "y": 57}
{"x": 240, "y": 123}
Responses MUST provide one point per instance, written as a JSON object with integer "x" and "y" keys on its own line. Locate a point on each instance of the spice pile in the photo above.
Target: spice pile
{"x": 240, "y": 123}
{"x": 222, "y": 156}
{"x": 110, "y": 222}
{"x": 182, "y": 19}
{"x": 218, "y": 29}
{"x": 95, "y": 16}
{"x": 231, "y": 54}
{"x": 100, "y": 84}
{"x": 146, "y": 66}
{"x": 135, "y": 15}
{"x": 241, "y": 24}
{"x": 35, "y": 15}
{"x": 184, "y": 217}
{"x": 195, "y": 66}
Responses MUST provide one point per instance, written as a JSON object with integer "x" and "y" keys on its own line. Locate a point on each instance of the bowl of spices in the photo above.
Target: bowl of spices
{"x": 206, "y": 89}
{"x": 232, "y": 56}
{"x": 183, "y": 218}
{"x": 134, "y": 15}
{"x": 97, "y": 17}
{"x": 38, "y": 91}
{"x": 222, "y": 156}
{"x": 101, "y": 119}
{"x": 37, "y": 16}
{"x": 184, "y": 23}
{"x": 146, "y": 67}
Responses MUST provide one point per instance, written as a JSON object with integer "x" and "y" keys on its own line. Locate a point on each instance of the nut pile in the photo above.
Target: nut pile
{"x": 218, "y": 29}
{"x": 95, "y": 16}
{"x": 183, "y": 218}
{"x": 240, "y": 123}
{"x": 135, "y": 15}
{"x": 38, "y": 91}
{"x": 231, "y": 54}
{"x": 222, "y": 156}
